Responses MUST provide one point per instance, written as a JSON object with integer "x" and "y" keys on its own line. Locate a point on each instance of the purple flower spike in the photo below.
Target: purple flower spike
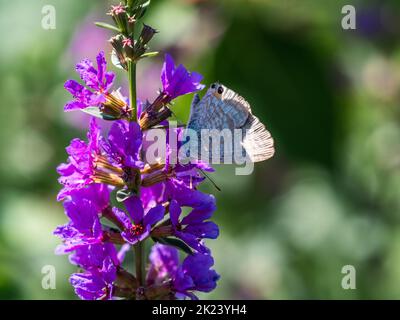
{"x": 177, "y": 81}
{"x": 117, "y": 166}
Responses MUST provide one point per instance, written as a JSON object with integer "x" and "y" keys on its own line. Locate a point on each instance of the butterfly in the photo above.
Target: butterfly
{"x": 222, "y": 109}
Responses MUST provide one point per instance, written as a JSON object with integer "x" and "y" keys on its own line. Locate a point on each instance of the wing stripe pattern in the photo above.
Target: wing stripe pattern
{"x": 257, "y": 140}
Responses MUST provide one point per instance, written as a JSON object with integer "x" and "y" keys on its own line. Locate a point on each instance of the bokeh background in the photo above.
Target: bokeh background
{"x": 330, "y": 97}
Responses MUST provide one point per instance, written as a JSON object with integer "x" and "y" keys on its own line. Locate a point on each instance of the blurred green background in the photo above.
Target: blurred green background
{"x": 331, "y": 195}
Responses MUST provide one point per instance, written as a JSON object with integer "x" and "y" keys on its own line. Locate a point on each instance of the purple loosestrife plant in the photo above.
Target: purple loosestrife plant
{"x": 115, "y": 199}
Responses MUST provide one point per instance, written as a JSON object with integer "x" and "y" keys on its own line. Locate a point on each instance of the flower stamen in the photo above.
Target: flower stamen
{"x": 137, "y": 229}
{"x": 114, "y": 106}
{"x": 102, "y": 162}
{"x": 108, "y": 178}
{"x": 157, "y": 177}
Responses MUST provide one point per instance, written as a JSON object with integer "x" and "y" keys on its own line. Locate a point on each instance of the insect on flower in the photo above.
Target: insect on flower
{"x": 222, "y": 111}
{"x": 112, "y": 171}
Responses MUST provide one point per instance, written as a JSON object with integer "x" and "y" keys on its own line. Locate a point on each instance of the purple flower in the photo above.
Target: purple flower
{"x": 100, "y": 160}
{"x": 180, "y": 191}
{"x": 98, "y": 80}
{"x": 194, "y": 227}
{"x": 98, "y": 194}
{"x": 79, "y": 171}
{"x": 101, "y": 164}
{"x": 177, "y": 81}
{"x": 95, "y": 284}
{"x": 93, "y": 256}
{"x": 101, "y": 263}
{"x": 125, "y": 143}
{"x": 164, "y": 263}
{"x": 137, "y": 226}
{"x": 84, "y": 228}
{"x": 151, "y": 196}
{"x": 188, "y": 197}
{"x": 195, "y": 273}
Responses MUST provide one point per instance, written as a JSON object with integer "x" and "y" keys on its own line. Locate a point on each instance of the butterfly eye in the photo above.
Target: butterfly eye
{"x": 220, "y": 90}
{"x": 213, "y": 86}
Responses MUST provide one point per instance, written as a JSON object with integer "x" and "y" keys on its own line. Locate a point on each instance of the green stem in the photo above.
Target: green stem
{"x": 132, "y": 88}
{"x": 140, "y": 263}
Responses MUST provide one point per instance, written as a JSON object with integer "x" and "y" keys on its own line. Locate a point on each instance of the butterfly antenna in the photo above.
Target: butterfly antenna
{"x": 210, "y": 179}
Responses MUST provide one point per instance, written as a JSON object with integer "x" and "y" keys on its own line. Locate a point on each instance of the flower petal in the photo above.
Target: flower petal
{"x": 135, "y": 209}
{"x": 203, "y": 230}
{"x": 154, "y": 215}
{"x": 165, "y": 259}
{"x": 192, "y": 241}
{"x": 88, "y": 74}
{"x": 174, "y": 212}
{"x": 122, "y": 218}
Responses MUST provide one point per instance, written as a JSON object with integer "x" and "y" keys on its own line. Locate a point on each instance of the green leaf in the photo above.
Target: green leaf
{"x": 142, "y": 9}
{"x": 93, "y": 111}
{"x": 146, "y": 4}
{"x": 149, "y": 54}
{"x": 174, "y": 242}
{"x": 107, "y": 26}
{"x": 141, "y": 3}
{"x": 108, "y": 117}
{"x": 124, "y": 194}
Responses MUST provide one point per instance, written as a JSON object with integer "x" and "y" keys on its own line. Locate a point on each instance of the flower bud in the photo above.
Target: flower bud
{"x": 128, "y": 46}
{"x": 147, "y": 34}
{"x": 120, "y": 17}
{"x": 131, "y": 25}
{"x": 150, "y": 119}
{"x": 118, "y": 45}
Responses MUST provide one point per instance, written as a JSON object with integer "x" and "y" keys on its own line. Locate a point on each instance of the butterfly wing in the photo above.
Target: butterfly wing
{"x": 232, "y": 112}
{"x": 257, "y": 141}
